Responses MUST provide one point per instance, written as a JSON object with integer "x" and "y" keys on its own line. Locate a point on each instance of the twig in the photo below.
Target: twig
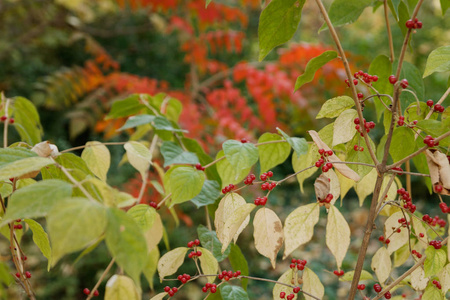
{"x": 74, "y": 181}
{"x": 101, "y": 279}
{"x": 388, "y": 27}
{"x": 92, "y": 145}
{"x": 164, "y": 200}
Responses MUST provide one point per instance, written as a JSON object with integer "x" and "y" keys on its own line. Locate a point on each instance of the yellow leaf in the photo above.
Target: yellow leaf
{"x": 97, "y": 158}
{"x": 398, "y": 239}
{"x": 121, "y": 287}
{"x": 418, "y": 280}
{"x": 208, "y": 263}
{"x": 338, "y": 235}
{"x": 299, "y": 227}
{"x": 312, "y": 284}
{"x": 444, "y": 278}
{"x": 154, "y": 235}
{"x": 159, "y": 296}
{"x": 268, "y": 233}
{"x": 151, "y": 265}
{"x": 381, "y": 264}
{"x": 288, "y": 277}
{"x": 304, "y": 161}
{"x": 335, "y": 187}
{"x": 344, "y": 128}
{"x": 365, "y": 187}
{"x": 170, "y": 262}
{"x": 342, "y": 168}
{"x": 345, "y": 184}
{"x": 235, "y": 223}
{"x": 139, "y": 156}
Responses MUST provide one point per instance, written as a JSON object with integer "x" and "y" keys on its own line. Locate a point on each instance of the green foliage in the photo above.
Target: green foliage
{"x": 313, "y": 65}
{"x": 344, "y": 12}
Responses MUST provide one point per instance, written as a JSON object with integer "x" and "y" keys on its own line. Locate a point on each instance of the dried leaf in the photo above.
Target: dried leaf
{"x": 322, "y": 187}
{"x": 268, "y": 233}
{"x": 418, "y": 280}
{"x": 439, "y": 170}
{"x": 342, "y": 168}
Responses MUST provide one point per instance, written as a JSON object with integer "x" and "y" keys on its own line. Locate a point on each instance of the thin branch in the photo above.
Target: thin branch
{"x": 74, "y": 181}
{"x": 214, "y": 162}
{"x": 92, "y": 145}
{"x": 5, "y": 126}
{"x": 164, "y": 200}
{"x": 388, "y": 27}
{"x": 101, "y": 279}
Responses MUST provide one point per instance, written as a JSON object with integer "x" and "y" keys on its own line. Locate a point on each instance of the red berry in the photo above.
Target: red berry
{"x": 96, "y": 293}
{"x": 392, "y": 79}
{"x": 387, "y": 295}
{"x": 28, "y": 274}
{"x": 213, "y": 289}
{"x": 18, "y": 275}
{"x": 86, "y": 291}
{"x": 204, "y": 289}
{"x": 171, "y": 293}
{"x": 438, "y": 188}
{"x": 387, "y": 241}
{"x": 361, "y": 287}
{"x": 430, "y": 103}
{"x": 244, "y": 140}
{"x": 377, "y": 287}
{"x": 421, "y": 235}
{"x": 296, "y": 289}
{"x": 11, "y": 121}
{"x": 381, "y": 238}
{"x": 360, "y": 96}
{"x": 175, "y": 289}
{"x": 374, "y": 78}
{"x": 167, "y": 289}
{"x": 409, "y": 24}
{"x": 190, "y": 244}
{"x": 3, "y": 118}
{"x": 404, "y": 83}
{"x": 282, "y": 295}
{"x": 197, "y": 242}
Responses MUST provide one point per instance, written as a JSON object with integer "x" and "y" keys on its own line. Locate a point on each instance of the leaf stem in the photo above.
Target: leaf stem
{"x": 101, "y": 279}
{"x": 74, "y": 181}
{"x": 92, "y": 145}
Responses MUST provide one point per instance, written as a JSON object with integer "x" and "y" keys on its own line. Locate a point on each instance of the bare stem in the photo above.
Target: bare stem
{"x": 214, "y": 162}
{"x": 100, "y": 280}
{"x": 92, "y": 145}
{"x": 164, "y": 200}
{"x": 5, "y": 127}
{"x": 388, "y": 27}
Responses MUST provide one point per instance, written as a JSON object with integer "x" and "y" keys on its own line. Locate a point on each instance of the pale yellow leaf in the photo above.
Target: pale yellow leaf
{"x": 103, "y": 192}
{"x": 170, "y": 262}
{"x": 312, "y": 284}
{"x": 335, "y": 187}
{"x": 344, "y": 128}
{"x": 398, "y": 239}
{"x": 418, "y": 280}
{"x": 121, "y": 287}
{"x": 154, "y": 235}
{"x": 299, "y": 227}
{"x": 365, "y": 187}
{"x": 337, "y": 234}
{"x": 97, "y": 158}
{"x": 151, "y": 265}
{"x": 420, "y": 228}
{"x": 235, "y": 223}
{"x": 303, "y": 162}
{"x": 268, "y": 233}
{"x": 208, "y": 263}
{"x": 342, "y": 168}
{"x": 444, "y": 278}
{"x": 288, "y": 277}
{"x": 345, "y": 184}
{"x": 159, "y": 296}
{"x": 139, "y": 156}
{"x": 381, "y": 264}
{"x": 401, "y": 255}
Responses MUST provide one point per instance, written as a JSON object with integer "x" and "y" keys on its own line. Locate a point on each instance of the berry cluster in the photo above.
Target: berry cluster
{"x": 18, "y": 226}
{"x": 288, "y": 297}
{"x": 298, "y": 263}
{"x": 228, "y": 188}
{"x": 87, "y": 291}
{"x": 322, "y": 159}
{"x": 265, "y": 176}
{"x": 260, "y": 201}
{"x": 407, "y": 199}
{"x": 268, "y": 186}
{"x": 403, "y": 83}
{"x": 209, "y": 286}
{"x": 377, "y": 287}
{"x": 365, "y": 77}
{"x": 436, "y": 244}
{"x": 399, "y": 169}
{"x": 429, "y": 140}
{"x": 4, "y": 118}
{"x": 355, "y": 82}
{"x": 327, "y": 199}
{"x": 361, "y": 287}
{"x": 383, "y": 240}
{"x": 433, "y": 221}
{"x": 338, "y": 273}
{"x": 199, "y": 167}
{"x": 439, "y": 108}
{"x": 227, "y": 275}
{"x": 195, "y": 254}
{"x": 358, "y": 148}
{"x": 194, "y": 244}
{"x": 413, "y": 24}
{"x": 444, "y": 208}
{"x": 367, "y": 125}
{"x": 170, "y": 291}
{"x": 153, "y": 204}
{"x": 437, "y": 284}
{"x": 27, "y": 274}
{"x": 249, "y": 179}
{"x": 184, "y": 278}
{"x": 417, "y": 254}
{"x": 401, "y": 121}
{"x": 403, "y": 222}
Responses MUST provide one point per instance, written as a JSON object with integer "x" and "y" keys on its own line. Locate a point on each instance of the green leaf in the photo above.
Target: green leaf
{"x": 150, "y": 223}
{"x": 208, "y": 263}
{"x": 171, "y": 261}
{"x": 121, "y": 287}
{"x": 271, "y": 155}
{"x": 74, "y": 224}
{"x": 413, "y": 75}
{"x": 240, "y": 155}
{"x": 432, "y": 293}
{"x": 438, "y": 61}
{"x": 161, "y": 123}
{"x": 126, "y": 107}
{"x": 210, "y": 241}
{"x": 402, "y": 143}
{"x": 167, "y": 105}
{"x": 152, "y": 264}
{"x": 414, "y": 114}
{"x": 173, "y": 154}
{"x": 23, "y": 166}
{"x": 278, "y": 23}
{"x": 335, "y": 106}
{"x": 403, "y": 16}
{"x": 393, "y": 6}
{"x": 233, "y": 292}
{"x": 184, "y": 183}
{"x": 139, "y": 156}
{"x": 228, "y": 173}
{"x": 344, "y": 12}
{"x": 97, "y": 158}
{"x": 445, "y": 4}
{"x": 382, "y": 67}
{"x": 126, "y": 243}
{"x": 344, "y": 127}
{"x": 207, "y": 3}
{"x": 36, "y": 200}
{"x": 9, "y": 155}
{"x": 138, "y": 120}
{"x": 434, "y": 262}
{"x": 40, "y": 238}
{"x": 208, "y": 195}
{"x": 359, "y": 156}
{"x": 300, "y": 145}
{"x": 313, "y": 66}
{"x": 27, "y": 121}
{"x": 238, "y": 262}
{"x": 348, "y": 276}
